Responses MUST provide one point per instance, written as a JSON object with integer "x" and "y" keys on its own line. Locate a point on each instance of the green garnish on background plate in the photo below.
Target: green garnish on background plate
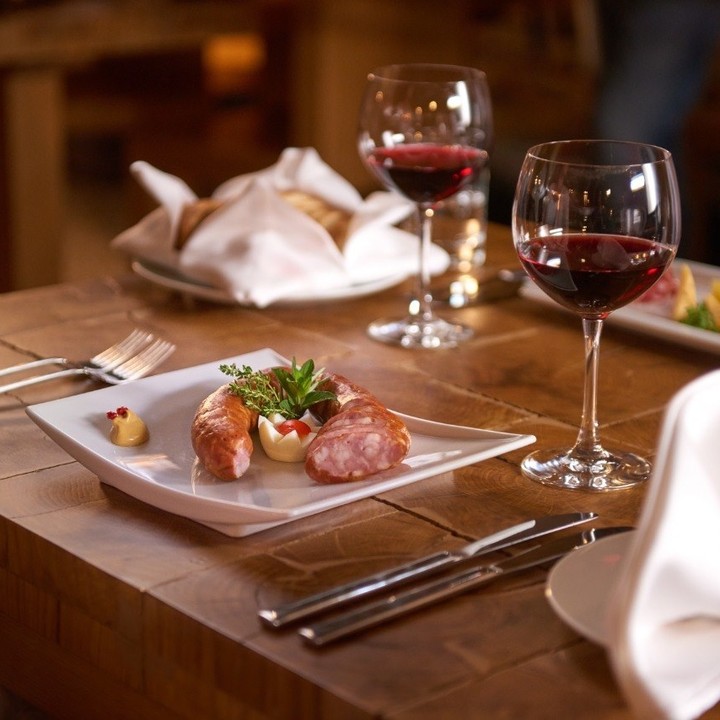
{"x": 700, "y": 316}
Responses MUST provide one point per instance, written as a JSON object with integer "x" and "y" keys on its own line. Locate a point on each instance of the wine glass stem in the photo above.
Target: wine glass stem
{"x": 421, "y": 306}
{"x": 588, "y": 440}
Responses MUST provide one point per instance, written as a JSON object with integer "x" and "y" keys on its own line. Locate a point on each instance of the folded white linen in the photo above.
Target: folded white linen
{"x": 260, "y": 248}
{"x": 664, "y": 615}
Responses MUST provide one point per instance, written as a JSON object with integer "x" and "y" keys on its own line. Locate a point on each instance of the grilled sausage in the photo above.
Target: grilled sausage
{"x": 359, "y": 437}
{"x": 220, "y": 434}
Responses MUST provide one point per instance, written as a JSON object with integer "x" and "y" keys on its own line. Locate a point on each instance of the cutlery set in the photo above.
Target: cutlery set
{"x": 444, "y": 575}
{"x": 132, "y": 358}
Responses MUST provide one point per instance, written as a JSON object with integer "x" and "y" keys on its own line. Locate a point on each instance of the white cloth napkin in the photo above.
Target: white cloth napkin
{"x": 664, "y": 616}
{"x": 261, "y": 249}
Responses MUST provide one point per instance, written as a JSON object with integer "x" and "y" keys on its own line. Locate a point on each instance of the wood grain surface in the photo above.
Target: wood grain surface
{"x": 112, "y": 608}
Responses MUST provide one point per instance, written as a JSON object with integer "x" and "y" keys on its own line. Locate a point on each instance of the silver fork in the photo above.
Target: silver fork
{"x": 106, "y": 360}
{"x": 132, "y": 368}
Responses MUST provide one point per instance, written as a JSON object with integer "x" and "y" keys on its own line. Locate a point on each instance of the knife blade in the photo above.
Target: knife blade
{"x": 433, "y": 591}
{"x": 304, "y": 608}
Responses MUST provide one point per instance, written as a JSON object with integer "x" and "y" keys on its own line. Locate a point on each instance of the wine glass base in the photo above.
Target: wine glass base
{"x": 599, "y": 472}
{"x": 463, "y": 290}
{"x": 413, "y": 333}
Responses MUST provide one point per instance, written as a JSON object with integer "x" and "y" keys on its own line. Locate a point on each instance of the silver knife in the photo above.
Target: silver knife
{"x": 282, "y": 615}
{"x": 377, "y": 612}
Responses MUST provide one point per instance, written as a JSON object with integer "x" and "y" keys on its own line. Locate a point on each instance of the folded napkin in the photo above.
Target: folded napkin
{"x": 664, "y": 616}
{"x": 296, "y": 227}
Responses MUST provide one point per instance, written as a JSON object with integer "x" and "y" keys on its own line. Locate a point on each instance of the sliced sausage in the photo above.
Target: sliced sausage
{"x": 360, "y": 437}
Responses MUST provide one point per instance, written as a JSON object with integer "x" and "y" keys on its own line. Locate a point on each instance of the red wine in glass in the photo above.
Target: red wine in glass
{"x": 425, "y": 172}
{"x": 595, "y": 225}
{"x": 593, "y": 274}
{"x": 424, "y": 131}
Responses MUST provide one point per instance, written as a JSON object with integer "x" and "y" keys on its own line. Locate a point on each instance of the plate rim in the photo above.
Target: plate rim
{"x": 570, "y": 565}
{"x": 172, "y": 279}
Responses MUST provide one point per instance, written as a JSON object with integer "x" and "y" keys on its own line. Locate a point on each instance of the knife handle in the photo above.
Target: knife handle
{"x": 284, "y": 614}
{"x": 379, "y": 611}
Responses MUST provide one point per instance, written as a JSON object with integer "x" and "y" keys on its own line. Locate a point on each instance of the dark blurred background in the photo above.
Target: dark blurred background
{"x": 209, "y": 99}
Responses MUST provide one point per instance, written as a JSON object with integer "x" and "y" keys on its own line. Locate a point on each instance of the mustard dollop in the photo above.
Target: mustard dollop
{"x": 128, "y": 429}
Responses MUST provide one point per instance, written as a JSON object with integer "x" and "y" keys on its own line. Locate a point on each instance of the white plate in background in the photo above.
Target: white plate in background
{"x": 173, "y": 280}
{"x": 655, "y": 318}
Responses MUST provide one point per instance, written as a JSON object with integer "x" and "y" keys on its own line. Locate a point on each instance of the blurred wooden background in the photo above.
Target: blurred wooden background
{"x": 208, "y": 89}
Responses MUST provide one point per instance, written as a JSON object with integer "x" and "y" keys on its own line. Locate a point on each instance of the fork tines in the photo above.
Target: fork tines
{"x": 145, "y": 361}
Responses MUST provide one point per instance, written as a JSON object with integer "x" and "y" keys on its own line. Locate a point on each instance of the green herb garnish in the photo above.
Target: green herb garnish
{"x": 700, "y": 316}
{"x": 291, "y": 392}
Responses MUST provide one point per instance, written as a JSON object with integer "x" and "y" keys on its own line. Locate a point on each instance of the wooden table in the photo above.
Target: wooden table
{"x": 112, "y": 608}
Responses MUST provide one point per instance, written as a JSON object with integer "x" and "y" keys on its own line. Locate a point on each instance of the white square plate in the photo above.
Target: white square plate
{"x": 165, "y": 472}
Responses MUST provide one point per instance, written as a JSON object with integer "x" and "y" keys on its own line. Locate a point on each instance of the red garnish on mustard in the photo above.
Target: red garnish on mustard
{"x": 127, "y": 430}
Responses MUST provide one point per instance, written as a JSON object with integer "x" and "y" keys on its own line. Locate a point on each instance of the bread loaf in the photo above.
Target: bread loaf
{"x": 333, "y": 219}
{"x": 192, "y": 215}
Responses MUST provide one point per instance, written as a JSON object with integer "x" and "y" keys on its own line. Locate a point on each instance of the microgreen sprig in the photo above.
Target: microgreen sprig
{"x": 254, "y": 387}
{"x": 294, "y": 391}
{"x": 700, "y": 316}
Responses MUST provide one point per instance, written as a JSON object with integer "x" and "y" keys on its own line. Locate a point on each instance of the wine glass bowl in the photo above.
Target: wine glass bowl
{"x": 423, "y": 134}
{"x": 595, "y": 224}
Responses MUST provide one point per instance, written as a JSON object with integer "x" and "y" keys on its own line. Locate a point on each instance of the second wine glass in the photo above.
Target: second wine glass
{"x": 595, "y": 224}
{"x": 424, "y": 134}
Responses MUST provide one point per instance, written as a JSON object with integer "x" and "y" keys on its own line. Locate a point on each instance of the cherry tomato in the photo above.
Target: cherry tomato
{"x": 301, "y": 428}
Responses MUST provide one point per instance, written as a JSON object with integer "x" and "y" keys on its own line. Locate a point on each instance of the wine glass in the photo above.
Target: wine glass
{"x": 595, "y": 224}
{"x": 423, "y": 134}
